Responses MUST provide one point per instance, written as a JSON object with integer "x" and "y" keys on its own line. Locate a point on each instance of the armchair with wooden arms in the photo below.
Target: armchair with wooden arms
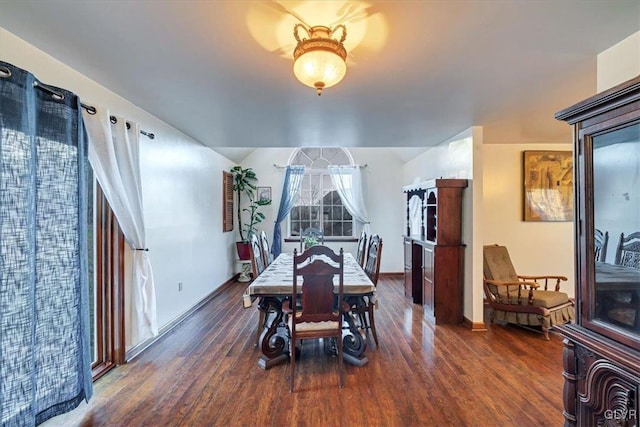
{"x": 266, "y": 251}
{"x": 321, "y": 310}
{"x": 362, "y": 249}
{"x": 600, "y": 245}
{"x": 363, "y": 306}
{"x": 523, "y": 300}
{"x": 257, "y": 267}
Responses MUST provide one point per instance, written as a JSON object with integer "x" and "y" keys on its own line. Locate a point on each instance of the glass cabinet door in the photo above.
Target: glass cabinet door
{"x": 613, "y": 252}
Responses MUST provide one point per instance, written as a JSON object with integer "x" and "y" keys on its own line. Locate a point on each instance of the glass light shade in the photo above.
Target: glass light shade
{"x": 319, "y": 68}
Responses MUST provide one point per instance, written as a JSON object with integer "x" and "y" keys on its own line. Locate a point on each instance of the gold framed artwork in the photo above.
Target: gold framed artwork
{"x": 548, "y": 185}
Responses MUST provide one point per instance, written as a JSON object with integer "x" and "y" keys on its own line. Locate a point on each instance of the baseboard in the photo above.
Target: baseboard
{"x": 136, "y": 350}
{"x": 391, "y": 275}
{"x": 474, "y": 326}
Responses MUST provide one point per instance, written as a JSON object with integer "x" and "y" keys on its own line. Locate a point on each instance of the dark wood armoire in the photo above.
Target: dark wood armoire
{"x": 433, "y": 248}
{"x": 602, "y": 349}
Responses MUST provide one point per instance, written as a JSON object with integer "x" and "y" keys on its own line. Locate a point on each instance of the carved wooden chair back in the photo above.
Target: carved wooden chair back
{"x": 628, "y": 251}
{"x": 257, "y": 260}
{"x": 266, "y": 251}
{"x": 600, "y": 245}
{"x": 374, "y": 256}
{"x": 320, "y": 312}
{"x": 362, "y": 249}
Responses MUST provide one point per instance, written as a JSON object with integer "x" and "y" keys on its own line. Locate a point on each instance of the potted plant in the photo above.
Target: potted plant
{"x": 310, "y": 241}
{"x": 244, "y": 182}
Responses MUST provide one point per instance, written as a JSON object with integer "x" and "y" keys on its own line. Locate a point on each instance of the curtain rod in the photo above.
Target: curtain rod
{"x": 340, "y": 166}
{"x": 90, "y": 108}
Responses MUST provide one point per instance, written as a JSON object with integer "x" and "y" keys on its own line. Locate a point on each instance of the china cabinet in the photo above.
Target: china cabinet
{"x": 602, "y": 349}
{"x": 434, "y": 253}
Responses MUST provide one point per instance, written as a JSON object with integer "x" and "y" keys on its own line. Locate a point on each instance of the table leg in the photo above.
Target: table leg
{"x": 354, "y": 342}
{"x": 274, "y": 339}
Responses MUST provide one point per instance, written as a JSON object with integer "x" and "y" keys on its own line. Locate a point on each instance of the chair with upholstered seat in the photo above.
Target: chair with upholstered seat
{"x": 362, "y": 249}
{"x": 257, "y": 260}
{"x": 523, "y": 300}
{"x": 257, "y": 267}
{"x": 320, "y": 312}
{"x": 628, "y": 250}
{"x": 364, "y": 306}
{"x": 266, "y": 251}
{"x": 600, "y": 245}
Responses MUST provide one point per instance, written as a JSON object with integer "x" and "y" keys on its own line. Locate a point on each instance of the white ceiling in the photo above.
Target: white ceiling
{"x": 425, "y": 71}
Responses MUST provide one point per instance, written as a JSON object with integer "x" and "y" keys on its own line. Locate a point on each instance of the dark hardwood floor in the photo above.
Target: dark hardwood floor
{"x": 205, "y": 373}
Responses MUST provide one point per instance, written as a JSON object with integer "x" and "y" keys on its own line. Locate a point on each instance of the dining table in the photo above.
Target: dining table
{"x": 274, "y": 286}
{"x": 618, "y": 291}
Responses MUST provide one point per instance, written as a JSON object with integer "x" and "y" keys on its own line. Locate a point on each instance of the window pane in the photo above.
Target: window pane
{"x": 295, "y": 213}
{"x": 319, "y": 204}
{"x": 347, "y": 228}
{"x": 337, "y": 213}
{"x": 315, "y": 213}
{"x": 295, "y": 228}
{"x": 327, "y": 183}
{"x": 326, "y": 213}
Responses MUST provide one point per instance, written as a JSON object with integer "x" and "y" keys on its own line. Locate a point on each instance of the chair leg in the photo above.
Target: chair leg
{"x": 545, "y": 331}
{"x": 292, "y": 364}
{"x": 340, "y": 361}
{"x": 363, "y": 321}
{"x": 372, "y": 323}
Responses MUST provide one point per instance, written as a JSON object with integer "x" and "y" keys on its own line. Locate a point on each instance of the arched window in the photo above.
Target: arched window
{"x": 318, "y": 204}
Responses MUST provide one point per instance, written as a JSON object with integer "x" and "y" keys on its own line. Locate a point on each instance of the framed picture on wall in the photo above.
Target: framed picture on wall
{"x": 548, "y": 185}
{"x": 264, "y": 193}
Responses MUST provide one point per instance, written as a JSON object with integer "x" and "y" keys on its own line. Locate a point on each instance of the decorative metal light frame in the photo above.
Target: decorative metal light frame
{"x": 319, "y": 61}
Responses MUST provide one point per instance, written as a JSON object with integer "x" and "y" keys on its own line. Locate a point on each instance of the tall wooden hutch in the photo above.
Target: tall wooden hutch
{"x": 602, "y": 349}
{"x": 433, "y": 249}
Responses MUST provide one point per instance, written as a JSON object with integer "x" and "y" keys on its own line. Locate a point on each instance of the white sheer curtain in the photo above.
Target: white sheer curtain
{"x": 348, "y": 182}
{"x": 114, "y": 154}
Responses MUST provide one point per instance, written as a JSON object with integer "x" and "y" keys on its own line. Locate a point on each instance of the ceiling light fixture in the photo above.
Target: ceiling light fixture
{"x": 319, "y": 61}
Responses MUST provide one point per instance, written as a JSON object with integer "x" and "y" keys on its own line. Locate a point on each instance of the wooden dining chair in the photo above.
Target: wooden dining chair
{"x": 362, "y": 248}
{"x": 628, "y": 250}
{"x": 266, "y": 252}
{"x": 364, "y": 307}
{"x": 320, "y": 312}
{"x": 257, "y": 260}
{"x": 600, "y": 245}
{"x": 257, "y": 267}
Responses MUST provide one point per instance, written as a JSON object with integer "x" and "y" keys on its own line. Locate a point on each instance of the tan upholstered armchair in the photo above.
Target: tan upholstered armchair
{"x": 523, "y": 300}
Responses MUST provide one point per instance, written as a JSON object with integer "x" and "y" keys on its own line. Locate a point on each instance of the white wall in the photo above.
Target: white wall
{"x": 534, "y": 247}
{"x": 181, "y": 183}
{"x": 382, "y": 181}
{"x": 619, "y": 63}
